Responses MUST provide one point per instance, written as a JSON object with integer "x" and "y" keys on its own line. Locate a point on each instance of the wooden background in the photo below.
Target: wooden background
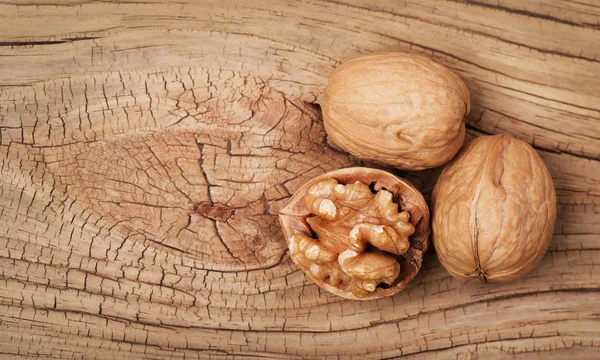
{"x": 146, "y": 147}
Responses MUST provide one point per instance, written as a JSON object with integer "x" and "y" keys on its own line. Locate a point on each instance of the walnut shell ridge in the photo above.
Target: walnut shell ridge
{"x": 494, "y": 208}
{"x": 395, "y": 108}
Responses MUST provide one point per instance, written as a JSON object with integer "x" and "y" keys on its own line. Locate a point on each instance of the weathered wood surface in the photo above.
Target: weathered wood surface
{"x": 145, "y": 148}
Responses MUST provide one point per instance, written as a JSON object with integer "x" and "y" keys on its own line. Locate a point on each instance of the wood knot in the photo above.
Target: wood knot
{"x": 213, "y": 211}
{"x": 255, "y": 242}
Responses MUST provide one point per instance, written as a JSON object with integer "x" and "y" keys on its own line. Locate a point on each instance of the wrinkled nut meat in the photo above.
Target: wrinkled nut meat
{"x": 353, "y": 241}
{"x": 396, "y": 108}
{"x": 494, "y": 209}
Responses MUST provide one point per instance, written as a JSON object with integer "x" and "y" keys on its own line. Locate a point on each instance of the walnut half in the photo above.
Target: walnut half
{"x": 359, "y": 233}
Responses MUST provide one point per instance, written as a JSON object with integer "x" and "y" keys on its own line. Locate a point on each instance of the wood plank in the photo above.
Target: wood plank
{"x": 146, "y": 148}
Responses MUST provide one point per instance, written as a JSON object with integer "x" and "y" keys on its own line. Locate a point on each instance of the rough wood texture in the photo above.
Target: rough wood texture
{"x": 145, "y": 148}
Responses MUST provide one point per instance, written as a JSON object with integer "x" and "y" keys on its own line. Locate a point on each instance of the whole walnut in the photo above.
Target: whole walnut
{"x": 399, "y": 109}
{"x": 359, "y": 233}
{"x": 494, "y": 208}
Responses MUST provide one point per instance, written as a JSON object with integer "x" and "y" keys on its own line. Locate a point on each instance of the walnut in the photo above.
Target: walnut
{"x": 314, "y": 258}
{"x": 395, "y": 108}
{"x": 355, "y": 240}
{"x": 494, "y": 209}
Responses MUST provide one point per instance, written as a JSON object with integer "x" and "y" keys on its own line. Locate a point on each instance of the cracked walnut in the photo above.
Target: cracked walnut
{"x": 356, "y": 239}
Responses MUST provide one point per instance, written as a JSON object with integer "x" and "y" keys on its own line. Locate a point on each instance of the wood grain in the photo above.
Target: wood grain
{"x": 146, "y": 146}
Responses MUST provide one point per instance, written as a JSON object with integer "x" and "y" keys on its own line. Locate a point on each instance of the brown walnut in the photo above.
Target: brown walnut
{"x": 494, "y": 209}
{"x": 396, "y": 108}
{"x": 359, "y": 233}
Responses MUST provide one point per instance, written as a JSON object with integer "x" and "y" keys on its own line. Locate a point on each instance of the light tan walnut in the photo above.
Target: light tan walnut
{"x": 352, "y": 239}
{"x": 494, "y": 209}
{"x": 396, "y": 108}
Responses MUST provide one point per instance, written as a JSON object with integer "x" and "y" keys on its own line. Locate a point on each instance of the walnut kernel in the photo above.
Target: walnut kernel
{"x": 352, "y": 239}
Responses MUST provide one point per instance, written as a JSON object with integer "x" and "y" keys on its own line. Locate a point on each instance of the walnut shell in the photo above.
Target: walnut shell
{"x": 400, "y": 109}
{"x": 293, "y": 219}
{"x": 494, "y": 209}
